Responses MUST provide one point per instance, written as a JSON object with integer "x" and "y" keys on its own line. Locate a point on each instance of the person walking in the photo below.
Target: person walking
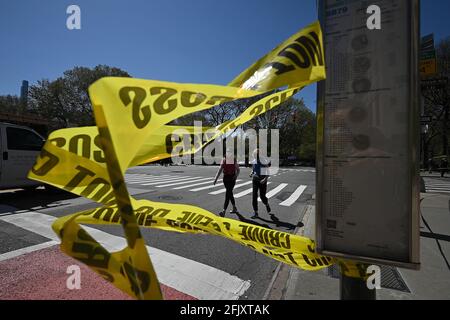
{"x": 260, "y": 176}
{"x": 430, "y": 165}
{"x": 230, "y": 169}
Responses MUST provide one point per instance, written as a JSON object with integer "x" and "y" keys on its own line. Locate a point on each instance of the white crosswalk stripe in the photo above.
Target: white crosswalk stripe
{"x": 437, "y": 186}
{"x": 206, "y": 188}
{"x": 236, "y": 186}
{"x": 138, "y": 176}
{"x": 274, "y": 191}
{"x": 167, "y": 181}
{"x": 154, "y": 180}
{"x": 294, "y": 196}
{"x": 246, "y": 192}
{"x": 199, "y": 184}
{"x": 153, "y": 177}
{"x": 183, "y": 182}
{"x": 147, "y": 179}
{"x": 142, "y": 175}
{"x": 299, "y": 170}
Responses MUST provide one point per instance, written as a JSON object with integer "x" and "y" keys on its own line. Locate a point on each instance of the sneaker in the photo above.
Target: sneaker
{"x": 222, "y": 213}
{"x": 234, "y": 210}
{"x": 268, "y": 208}
{"x": 255, "y": 215}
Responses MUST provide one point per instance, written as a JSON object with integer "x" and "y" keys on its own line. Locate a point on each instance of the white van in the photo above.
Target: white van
{"x": 19, "y": 148}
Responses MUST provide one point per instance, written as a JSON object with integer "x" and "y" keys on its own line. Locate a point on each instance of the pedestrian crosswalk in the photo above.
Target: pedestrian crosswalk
{"x": 290, "y": 192}
{"x": 235, "y": 187}
{"x": 181, "y": 277}
{"x": 437, "y": 185}
{"x": 275, "y": 190}
{"x": 183, "y": 182}
{"x": 298, "y": 170}
{"x": 294, "y": 196}
{"x": 246, "y": 192}
{"x": 208, "y": 182}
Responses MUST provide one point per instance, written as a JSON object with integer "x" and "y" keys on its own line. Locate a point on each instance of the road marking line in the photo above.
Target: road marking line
{"x": 168, "y": 180}
{"x": 184, "y": 182}
{"x": 35, "y": 222}
{"x": 21, "y": 211}
{"x": 146, "y": 176}
{"x": 207, "y": 187}
{"x": 246, "y": 192}
{"x": 294, "y": 196}
{"x": 185, "y": 275}
{"x": 236, "y": 186}
{"x": 438, "y": 187}
{"x": 145, "y": 181}
{"x": 151, "y": 179}
{"x": 19, "y": 252}
{"x": 193, "y": 185}
{"x": 243, "y": 193}
{"x": 437, "y": 183}
{"x": 140, "y": 176}
{"x": 274, "y": 191}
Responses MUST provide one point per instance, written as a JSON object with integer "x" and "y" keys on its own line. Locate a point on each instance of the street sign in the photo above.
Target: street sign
{"x": 428, "y": 68}
{"x": 367, "y": 196}
{"x": 427, "y": 63}
{"x": 427, "y": 42}
{"x": 428, "y": 54}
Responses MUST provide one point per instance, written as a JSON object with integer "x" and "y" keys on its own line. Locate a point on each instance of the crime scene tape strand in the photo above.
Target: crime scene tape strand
{"x": 132, "y": 117}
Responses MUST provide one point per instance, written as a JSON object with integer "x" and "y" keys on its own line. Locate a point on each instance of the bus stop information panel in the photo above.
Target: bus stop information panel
{"x": 368, "y": 131}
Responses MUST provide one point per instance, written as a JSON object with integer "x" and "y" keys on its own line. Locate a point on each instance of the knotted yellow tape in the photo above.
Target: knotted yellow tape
{"x": 131, "y": 129}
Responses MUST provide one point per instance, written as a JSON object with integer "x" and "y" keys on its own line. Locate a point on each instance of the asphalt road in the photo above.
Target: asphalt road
{"x": 290, "y": 190}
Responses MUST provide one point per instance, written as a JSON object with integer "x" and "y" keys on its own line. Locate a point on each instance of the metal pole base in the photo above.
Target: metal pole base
{"x": 355, "y": 289}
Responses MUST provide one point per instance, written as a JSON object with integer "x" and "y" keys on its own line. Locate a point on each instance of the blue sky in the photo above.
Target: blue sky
{"x": 198, "y": 41}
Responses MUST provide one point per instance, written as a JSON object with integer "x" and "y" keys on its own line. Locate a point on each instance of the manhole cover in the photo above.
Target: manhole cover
{"x": 167, "y": 197}
{"x": 390, "y": 278}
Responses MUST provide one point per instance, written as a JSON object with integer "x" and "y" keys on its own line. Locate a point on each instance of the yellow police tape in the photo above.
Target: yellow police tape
{"x": 132, "y": 118}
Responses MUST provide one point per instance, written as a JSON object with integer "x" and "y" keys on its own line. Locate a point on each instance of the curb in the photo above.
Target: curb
{"x": 281, "y": 273}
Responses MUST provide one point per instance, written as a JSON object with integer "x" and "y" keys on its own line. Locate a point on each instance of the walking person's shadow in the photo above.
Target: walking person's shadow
{"x": 273, "y": 220}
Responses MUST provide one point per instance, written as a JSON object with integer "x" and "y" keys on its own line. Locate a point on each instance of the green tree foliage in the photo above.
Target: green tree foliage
{"x": 295, "y": 122}
{"x": 10, "y": 104}
{"x": 437, "y": 106}
{"x": 297, "y": 129}
{"x": 297, "y": 125}
{"x": 65, "y": 100}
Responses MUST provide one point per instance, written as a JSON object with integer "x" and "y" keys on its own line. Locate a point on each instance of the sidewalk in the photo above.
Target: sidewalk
{"x": 431, "y": 282}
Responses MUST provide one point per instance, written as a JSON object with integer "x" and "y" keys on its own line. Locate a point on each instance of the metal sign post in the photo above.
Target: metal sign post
{"x": 367, "y": 195}
{"x": 355, "y": 289}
